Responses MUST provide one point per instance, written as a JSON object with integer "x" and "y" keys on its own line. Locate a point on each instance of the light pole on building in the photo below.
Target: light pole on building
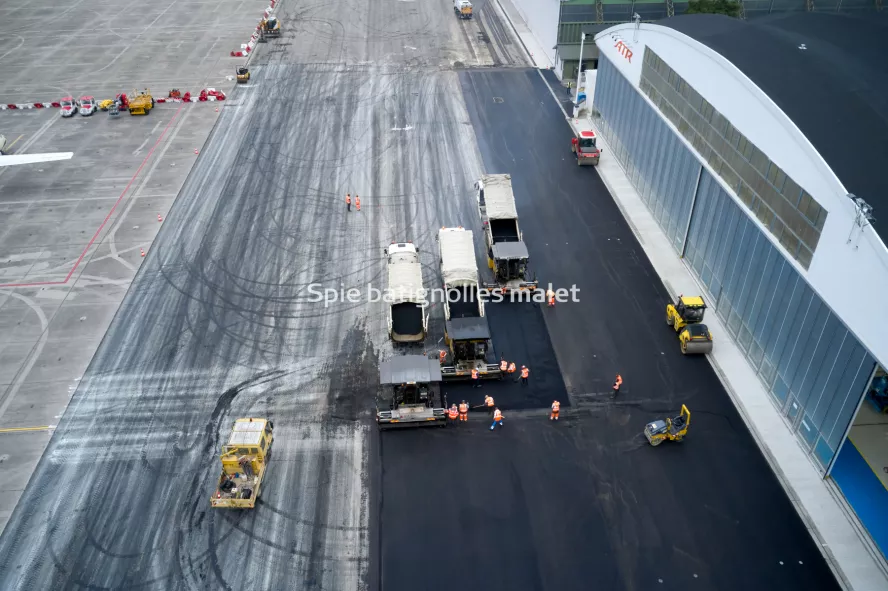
{"x": 576, "y": 110}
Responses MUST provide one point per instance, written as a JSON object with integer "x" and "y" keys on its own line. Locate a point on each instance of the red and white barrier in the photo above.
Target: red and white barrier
{"x": 205, "y": 95}
{"x": 247, "y": 47}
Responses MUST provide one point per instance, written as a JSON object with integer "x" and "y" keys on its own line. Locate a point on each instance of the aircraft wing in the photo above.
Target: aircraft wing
{"x": 34, "y": 158}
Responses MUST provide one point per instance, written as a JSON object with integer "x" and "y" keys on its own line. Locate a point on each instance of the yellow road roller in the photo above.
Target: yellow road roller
{"x": 673, "y": 429}
{"x": 685, "y": 316}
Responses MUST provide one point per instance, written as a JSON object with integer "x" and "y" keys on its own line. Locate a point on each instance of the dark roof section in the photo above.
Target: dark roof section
{"x": 409, "y": 368}
{"x": 835, "y": 90}
{"x": 468, "y": 329}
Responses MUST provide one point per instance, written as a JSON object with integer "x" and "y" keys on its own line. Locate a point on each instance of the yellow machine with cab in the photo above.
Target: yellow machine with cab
{"x": 243, "y": 74}
{"x": 244, "y": 460}
{"x": 141, "y": 103}
{"x": 685, "y": 316}
{"x": 673, "y": 429}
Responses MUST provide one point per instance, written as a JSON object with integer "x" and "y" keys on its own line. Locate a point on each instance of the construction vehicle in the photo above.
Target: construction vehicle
{"x": 465, "y": 328}
{"x": 685, "y": 316}
{"x": 269, "y": 27}
{"x": 506, "y": 252}
{"x": 462, "y": 8}
{"x": 243, "y": 74}
{"x": 175, "y": 93}
{"x": 673, "y": 429}
{"x": 410, "y": 393}
{"x": 244, "y": 460}
{"x": 141, "y": 103}
{"x": 583, "y": 143}
{"x": 408, "y": 320}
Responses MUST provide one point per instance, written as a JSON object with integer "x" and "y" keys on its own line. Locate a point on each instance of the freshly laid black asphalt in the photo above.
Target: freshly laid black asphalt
{"x": 585, "y": 503}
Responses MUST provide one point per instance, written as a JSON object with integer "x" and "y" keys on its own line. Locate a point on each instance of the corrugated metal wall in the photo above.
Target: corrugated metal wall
{"x": 658, "y": 163}
{"x": 811, "y": 364}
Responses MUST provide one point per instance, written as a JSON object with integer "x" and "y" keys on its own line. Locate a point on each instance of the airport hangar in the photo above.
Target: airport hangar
{"x": 759, "y": 147}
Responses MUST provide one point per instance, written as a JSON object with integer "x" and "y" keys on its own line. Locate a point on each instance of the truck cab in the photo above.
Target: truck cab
{"x": 68, "y": 106}
{"x": 410, "y": 393}
{"x": 584, "y": 143}
{"x": 462, "y": 8}
{"x": 408, "y": 319}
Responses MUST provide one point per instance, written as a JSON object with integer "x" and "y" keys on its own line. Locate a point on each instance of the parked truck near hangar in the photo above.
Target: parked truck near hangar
{"x": 507, "y": 254}
{"x": 465, "y": 328}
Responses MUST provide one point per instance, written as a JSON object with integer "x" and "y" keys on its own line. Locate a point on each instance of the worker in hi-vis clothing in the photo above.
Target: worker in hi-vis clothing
{"x": 463, "y": 411}
{"x": 504, "y": 365}
{"x": 556, "y": 408}
{"x": 618, "y": 381}
{"x": 525, "y": 373}
{"x": 497, "y": 419}
{"x": 452, "y": 414}
{"x": 550, "y": 297}
{"x": 348, "y": 201}
{"x": 488, "y": 402}
{"x": 476, "y": 382}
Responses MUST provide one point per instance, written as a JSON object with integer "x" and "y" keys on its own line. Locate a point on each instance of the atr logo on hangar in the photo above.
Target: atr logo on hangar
{"x": 622, "y": 47}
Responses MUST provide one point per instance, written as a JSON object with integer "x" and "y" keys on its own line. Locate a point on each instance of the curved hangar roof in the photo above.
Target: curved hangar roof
{"x": 829, "y": 74}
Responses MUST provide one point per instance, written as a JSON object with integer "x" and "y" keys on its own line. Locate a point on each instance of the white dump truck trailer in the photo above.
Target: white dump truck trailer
{"x": 465, "y": 327}
{"x": 507, "y": 254}
{"x": 408, "y": 319}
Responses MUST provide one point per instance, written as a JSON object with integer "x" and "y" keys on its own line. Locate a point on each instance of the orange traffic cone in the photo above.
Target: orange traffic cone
{"x": 159, "y": 218}
{"x": 142, "y": 250}
{"x": 195, "y": 151}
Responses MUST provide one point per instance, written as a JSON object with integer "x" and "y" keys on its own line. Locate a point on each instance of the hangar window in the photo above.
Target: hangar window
{"x": 792, "y": 191}
{"x": 758, "y": 160}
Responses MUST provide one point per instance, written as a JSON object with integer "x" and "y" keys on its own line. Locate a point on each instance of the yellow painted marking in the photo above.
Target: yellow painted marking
{"x": 17, "y": 429}
{"x": 9, "y": 147}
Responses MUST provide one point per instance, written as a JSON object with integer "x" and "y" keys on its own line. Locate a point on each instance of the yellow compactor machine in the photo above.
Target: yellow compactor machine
{"x": 244, "y": 460}
{"x": 686, "y": 317}
{"x": 141, "y": 103}
{"x": 673, "y": 429}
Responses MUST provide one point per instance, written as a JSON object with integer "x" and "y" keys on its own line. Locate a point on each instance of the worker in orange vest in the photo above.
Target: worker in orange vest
{"x": 525, "y": 373}
{"x": 476, "y": 383}
{"x": 348, "y": 201}
{"x": 512, "y": 368}
{"x": 463, "y": 411}
{"x": 617, "y": 383}
{"x": 504, "y": 365}
{"x": 357, "y": 202}
{"x": 488, "y": 402}
{"x": 497, "y": 419}
{"x": 442, "y": 356}
{"x": 556, "y": 408}
{"x": 452, "y": 414}
{"x": 550, "y": 297}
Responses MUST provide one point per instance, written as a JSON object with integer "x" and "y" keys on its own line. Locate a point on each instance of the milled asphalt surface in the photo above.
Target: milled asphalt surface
{"x": 587, "y": 503}
{"x": 217, "y": 322}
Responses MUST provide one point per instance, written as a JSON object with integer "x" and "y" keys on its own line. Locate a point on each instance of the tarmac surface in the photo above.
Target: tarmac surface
{"x": 53, "y": 48}
{"x": 587, "y": 503}
{"x": 221, "y": 321}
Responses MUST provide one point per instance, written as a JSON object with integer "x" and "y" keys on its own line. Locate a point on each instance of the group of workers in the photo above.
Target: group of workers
{"x": 348, "y": 201}
{"x": 461, "y": 413}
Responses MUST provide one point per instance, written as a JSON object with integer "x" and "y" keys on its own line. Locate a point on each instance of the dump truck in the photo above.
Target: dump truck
{"x": 244, "y": 459}
{"x": 506, "y": 252}
{"x": 141, "y": 103}
{"x": 410, "y": 393}
{"x": 408, "y": 319}
{"x": 462, "y": 9}
{"x": 584, "y": 142}
{"x": 465, "y": 328}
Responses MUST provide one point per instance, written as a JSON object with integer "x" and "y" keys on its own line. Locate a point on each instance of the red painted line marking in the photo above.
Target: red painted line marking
{"x": 107, "y": 217}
